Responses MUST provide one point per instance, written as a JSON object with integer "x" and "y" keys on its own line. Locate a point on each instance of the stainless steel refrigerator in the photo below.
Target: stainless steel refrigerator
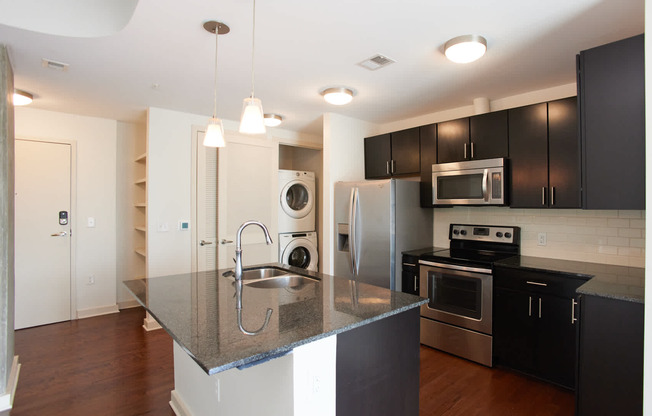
{"x": 374, "y": 222}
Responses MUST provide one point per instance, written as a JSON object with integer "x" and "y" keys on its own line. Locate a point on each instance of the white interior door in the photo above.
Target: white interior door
{"x": 247, "y": 187}
{"x": 232, "y": 185}
{"x": 42, "y": 240}
{"x": 205, "y": 206}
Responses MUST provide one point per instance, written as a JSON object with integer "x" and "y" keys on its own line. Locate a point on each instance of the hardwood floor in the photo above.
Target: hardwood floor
{"x": 109, "y": 365}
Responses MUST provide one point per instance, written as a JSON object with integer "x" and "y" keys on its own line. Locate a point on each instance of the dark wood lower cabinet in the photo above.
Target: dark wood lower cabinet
{"x": 610, "y": 371}
{"x": 378, "y": 368}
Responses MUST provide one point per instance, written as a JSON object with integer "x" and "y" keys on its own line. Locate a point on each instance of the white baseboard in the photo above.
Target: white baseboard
{"x": 128, "y": 304}
{"x": 7, "y": 398}
{"x": 102, "y": 310}
{"x": 150, "y": 323}
{"x": 177, "y": 405}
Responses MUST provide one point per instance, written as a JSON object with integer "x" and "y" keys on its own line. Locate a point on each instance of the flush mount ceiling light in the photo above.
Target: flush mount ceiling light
{"x": 214, "y": 136}
{"x": 465, "y": 49}
{"x": 273, "y": 120}
{"x": 338, "y": 95}
{"x": 22, "y": 97}
{"x": 252, "y": 120}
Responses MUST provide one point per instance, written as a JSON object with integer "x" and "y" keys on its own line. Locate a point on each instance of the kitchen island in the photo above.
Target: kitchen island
{"x": 332, "y": 345}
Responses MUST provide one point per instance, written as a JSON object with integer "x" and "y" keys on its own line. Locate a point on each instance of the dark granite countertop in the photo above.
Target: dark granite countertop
{"x": 198, "y": 311}
{"x": 606, "y": 280}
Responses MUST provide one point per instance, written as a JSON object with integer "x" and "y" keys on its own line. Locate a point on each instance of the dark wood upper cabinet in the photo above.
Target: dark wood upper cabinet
{"x": 377, "y": 154}
{"x": 544, "y": 150}
{"x": 564, "y": 159}
{"x": 392, "y": 154}
{"x": 528, "y": 152}
{"x": 611, "y": 87}
{"x": 453, "y": 140}
{"x": 489, "y": 135}
{"x": 428, "y": 136}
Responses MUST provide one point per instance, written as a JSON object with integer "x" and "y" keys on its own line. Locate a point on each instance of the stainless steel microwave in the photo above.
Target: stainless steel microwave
{"x": 476, "y": 182}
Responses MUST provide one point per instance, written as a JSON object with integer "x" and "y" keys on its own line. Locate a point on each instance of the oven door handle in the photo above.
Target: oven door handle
{"x": 455, "y": 267}
{"x": 485, "y": 185}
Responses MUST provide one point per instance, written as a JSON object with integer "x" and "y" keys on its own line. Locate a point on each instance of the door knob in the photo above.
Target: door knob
{"x": 61, "y": 234}
{"x": 205, "y": 243}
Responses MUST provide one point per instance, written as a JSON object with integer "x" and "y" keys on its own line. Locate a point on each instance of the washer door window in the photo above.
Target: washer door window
{"x": 297, "y": 199}
{"x": 299, "y": 257}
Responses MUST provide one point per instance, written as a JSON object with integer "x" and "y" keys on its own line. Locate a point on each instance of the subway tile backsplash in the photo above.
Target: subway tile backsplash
{"x": 609, "y": 237}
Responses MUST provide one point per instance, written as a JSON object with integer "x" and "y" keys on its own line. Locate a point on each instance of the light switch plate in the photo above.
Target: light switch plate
{"x": 90, "y": 223}
{"x": 162, "y": 227}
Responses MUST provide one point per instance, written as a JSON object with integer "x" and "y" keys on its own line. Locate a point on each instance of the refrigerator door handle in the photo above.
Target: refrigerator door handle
{"x": 352, "y": 209}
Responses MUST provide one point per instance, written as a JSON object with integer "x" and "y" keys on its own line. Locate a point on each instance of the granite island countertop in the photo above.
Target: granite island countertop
{"x": 198, "y": 311}
{"x": 606, "y": 280}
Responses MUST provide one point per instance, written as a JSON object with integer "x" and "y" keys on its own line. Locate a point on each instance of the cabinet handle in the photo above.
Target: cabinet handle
{"x": 573, "y": 318}
{"x": 472, "y": 150}
{"x": 543, "y": 195}
{"x": 415, "y": 283}
{"x": 409, "y": 264}
{"x": 552, "y": 196}
{"x": 536, "y": 283}
{"x": 529, "y": 312}
{"x": 387, "y": 167}
{"x": 464, "y": 150}
{"x": 393, "y": 166}
{"x": 539, "y": 308}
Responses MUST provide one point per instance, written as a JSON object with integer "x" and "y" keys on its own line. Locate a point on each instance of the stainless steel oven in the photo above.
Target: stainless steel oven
{"x": 458, "y": 283}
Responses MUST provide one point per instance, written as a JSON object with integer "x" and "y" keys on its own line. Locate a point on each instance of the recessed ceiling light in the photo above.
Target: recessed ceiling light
{"x": 465, "y": 49}
{"x": 338, "y": 95}
{"x": 273, "y": 120}
{"x": 22, "y": 97}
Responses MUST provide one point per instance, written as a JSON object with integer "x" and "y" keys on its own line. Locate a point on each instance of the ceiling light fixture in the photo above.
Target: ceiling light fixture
{"x": 22, "y": 97}
{"x": 338, "y": 95}
{"x": 252, "y": 119}
{"x": 214, "y": 136}
{"x": 465, "y": 49}
{"x": 273, "y": 120}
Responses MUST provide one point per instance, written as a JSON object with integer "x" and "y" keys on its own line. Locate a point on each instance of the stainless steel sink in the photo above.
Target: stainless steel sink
{"x": 258, "y": 273}
{"x": 292, "y": 281}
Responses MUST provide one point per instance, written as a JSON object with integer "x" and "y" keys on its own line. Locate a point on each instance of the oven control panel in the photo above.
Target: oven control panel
{"x": 490, "y": 233}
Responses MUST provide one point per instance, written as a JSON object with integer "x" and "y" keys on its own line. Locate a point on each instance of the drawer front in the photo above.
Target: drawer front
{"x": 537, "y": 282}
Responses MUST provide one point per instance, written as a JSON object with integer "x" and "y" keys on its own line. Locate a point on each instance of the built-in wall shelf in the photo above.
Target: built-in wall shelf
{"x": 141, "y": 228}
{"x": 141, "y": 181}
{"x": 141, "y": 251}
{"x": 139, "y": 277}
{"x": 141, "y": 205}
{"x": 142, "y": 158}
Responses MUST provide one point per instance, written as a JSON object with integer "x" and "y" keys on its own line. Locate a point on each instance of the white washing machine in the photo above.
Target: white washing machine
{"x": 297, "y": 201}
{"x": 299, "y": 250}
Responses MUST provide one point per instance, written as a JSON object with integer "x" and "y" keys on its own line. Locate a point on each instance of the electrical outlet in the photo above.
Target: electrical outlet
{"x": 542, "y": 239}
{"x": 316, "y": 385}
{"x": 91, "y": 280}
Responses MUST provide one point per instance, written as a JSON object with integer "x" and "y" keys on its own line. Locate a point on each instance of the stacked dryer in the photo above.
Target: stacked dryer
{"x": 296, "y": 219}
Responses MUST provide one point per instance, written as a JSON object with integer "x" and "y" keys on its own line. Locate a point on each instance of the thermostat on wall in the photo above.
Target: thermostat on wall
{"x": 184, "y": 226}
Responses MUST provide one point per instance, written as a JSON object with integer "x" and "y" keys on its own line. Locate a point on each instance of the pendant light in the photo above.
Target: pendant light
{"x": 214, "y": 136}
{"x": 252, "y": 120}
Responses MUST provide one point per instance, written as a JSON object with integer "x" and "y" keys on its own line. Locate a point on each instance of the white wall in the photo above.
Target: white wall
{"x": 343, "y": 154}
{"x": 96, "y": 197}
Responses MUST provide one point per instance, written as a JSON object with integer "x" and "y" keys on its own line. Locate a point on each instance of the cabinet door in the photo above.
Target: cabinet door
{"x": 514, "y": 330}
{"x": 428, "y": 137}
{"x": 612, "y": 111}
{"x": 564, "y": 154}
{"x": 377, "y": 154}
{"x": 528, "y": 151}
{"x": 556, "y": 340}
{"x": 489, "y": 137}
{"x": 405, "y": 152}
{"x": 452, "y": 139}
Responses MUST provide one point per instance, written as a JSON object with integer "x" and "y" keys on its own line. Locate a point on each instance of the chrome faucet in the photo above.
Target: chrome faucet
{"x": 238, "y": 276}
{"x": 238, "y": 245}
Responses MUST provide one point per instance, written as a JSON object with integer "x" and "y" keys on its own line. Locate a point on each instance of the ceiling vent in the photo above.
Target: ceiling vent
{"x": 50, "y": 64}
{"x": 376, "y": 62}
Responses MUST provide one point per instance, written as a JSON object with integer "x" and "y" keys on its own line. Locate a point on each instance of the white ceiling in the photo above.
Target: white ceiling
{"x": 303, "y": 47}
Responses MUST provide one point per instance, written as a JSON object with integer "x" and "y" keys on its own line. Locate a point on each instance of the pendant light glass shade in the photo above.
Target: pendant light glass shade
{"x": 252, "y": 120}
{"x": 214, "y": 136}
